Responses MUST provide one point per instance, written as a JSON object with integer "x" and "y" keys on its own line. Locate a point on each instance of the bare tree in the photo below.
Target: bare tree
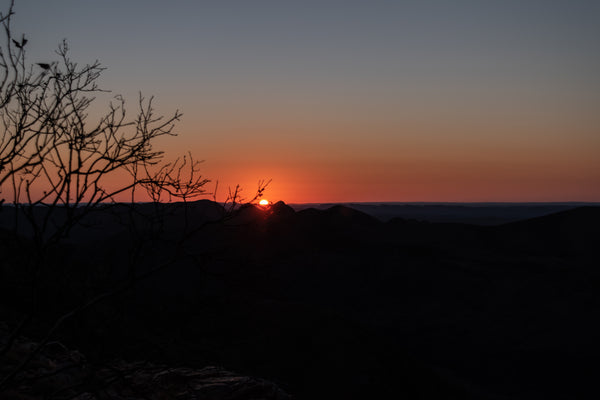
{"x": 58, "y": 164}
{"x": 50, "y": 155}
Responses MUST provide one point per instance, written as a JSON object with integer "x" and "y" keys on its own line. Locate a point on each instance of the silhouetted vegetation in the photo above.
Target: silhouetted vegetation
{"x": 158, "y": 299}
{"x": 65, "y": 167}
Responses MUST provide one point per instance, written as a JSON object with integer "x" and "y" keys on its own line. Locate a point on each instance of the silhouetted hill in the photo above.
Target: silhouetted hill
{"x": 334, "y": 303}
{"x": 575, "y": 232}
{"x": 468, "y": 213}
{"x": 280, "y": 209}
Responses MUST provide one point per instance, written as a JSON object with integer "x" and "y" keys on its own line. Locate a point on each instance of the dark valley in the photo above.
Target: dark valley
{"x": 330, "y": 303}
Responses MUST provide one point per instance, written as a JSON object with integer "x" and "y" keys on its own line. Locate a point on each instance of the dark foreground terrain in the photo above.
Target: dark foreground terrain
{"x": 328, "y": 303}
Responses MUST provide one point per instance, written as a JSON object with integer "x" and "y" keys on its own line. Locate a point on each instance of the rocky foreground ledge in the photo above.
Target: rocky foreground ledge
{"x": 59, "y": 373}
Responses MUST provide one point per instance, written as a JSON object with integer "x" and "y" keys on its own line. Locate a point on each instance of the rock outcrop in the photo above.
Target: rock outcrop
{"x": 55, "y": 372}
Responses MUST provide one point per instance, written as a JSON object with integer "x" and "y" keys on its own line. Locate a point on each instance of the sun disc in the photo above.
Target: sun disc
{"x": 264, "y": 202}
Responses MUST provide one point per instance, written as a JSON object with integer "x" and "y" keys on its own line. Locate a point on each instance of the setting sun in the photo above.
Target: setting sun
{"x": 264, "y": 202}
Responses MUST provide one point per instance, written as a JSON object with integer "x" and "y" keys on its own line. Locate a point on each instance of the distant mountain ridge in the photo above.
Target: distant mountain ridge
{"x": 471, "y": 213}
{"x": 336, "y": 303}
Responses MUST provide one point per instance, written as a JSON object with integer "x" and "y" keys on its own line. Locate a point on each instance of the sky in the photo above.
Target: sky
{"x": 348, "y": 101}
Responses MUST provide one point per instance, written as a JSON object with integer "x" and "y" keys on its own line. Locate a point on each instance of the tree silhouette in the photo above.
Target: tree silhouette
{"x": 58, "y": 165}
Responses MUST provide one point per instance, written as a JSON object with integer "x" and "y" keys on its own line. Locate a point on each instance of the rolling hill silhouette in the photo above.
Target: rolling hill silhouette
{"x": 335, "y": 303}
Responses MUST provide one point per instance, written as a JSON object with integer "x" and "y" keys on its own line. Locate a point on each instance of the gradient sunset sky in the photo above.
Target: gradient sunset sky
{"x": 340, "y": 101}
